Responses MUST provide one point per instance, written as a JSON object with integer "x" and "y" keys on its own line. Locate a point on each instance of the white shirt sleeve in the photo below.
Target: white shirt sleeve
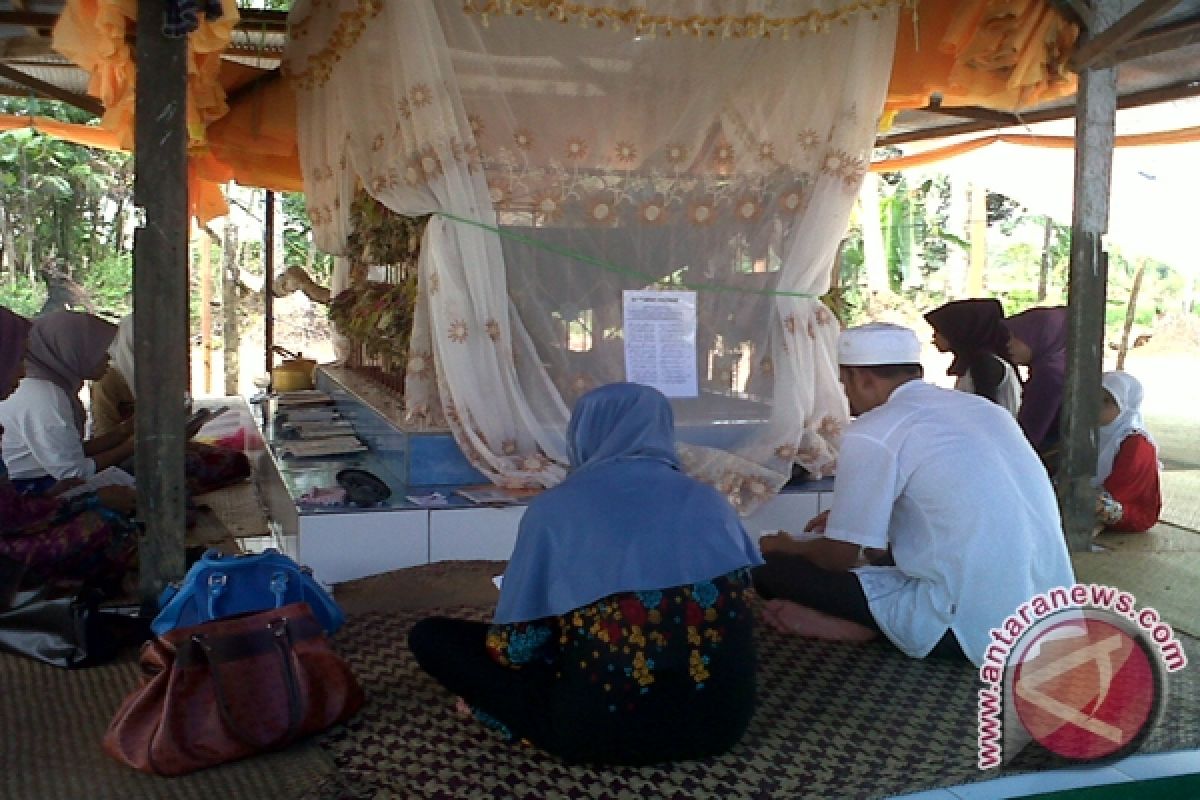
{"x": 863, "y": 493}
{"x": 49, "y": 431}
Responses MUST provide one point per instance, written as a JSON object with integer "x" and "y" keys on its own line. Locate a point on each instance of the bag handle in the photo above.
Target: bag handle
{"x": 282, "y": 639}
{"x": 219, "y": 581}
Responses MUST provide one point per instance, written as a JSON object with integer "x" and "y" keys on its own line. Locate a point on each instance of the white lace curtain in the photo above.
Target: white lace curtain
{"x": 570, "y": 151}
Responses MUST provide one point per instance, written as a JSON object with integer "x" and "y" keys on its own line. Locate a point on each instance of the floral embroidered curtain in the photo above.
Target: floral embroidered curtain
{"x": 569, "y": 151}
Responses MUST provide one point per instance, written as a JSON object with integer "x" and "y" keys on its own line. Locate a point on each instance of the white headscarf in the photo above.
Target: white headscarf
{"x": 1126, "y": 390}
{"x": 121, "y": 351}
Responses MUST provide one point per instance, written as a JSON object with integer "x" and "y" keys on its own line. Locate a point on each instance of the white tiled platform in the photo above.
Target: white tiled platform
{"x": 1133, "y": 768}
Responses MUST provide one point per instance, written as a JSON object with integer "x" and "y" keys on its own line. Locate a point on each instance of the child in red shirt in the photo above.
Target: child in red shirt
{"x": 1127, "y": 461}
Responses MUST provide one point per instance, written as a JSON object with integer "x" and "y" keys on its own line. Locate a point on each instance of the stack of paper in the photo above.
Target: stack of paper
{"x": 112, "y": 476}
{"x": 304, "y": 397}
{"x": 319, "y": 430}
{"x": 331, "y": 446}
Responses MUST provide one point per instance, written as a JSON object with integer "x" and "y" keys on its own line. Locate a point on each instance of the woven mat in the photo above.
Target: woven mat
{"x": 52, "y": 721}
{"x": 832, "y": 721}
{"x": 444, "y": 583}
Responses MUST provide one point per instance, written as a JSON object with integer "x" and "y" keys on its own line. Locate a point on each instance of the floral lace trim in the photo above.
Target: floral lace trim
{"x": 644, "y": 23}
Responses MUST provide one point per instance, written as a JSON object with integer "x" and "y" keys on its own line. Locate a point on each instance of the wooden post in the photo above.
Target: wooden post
{"x": 160, "y": 290}
{"x": 1131, "y": 311}
{"x": 1095, "y": 124}
{"x": 269, "y": 284}
{"x": 206, "y": 296}
{"x": 230, "y": 336}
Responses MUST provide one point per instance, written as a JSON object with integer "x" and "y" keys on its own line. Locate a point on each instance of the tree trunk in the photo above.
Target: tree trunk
{"x": 229, "y": 308}
{"x": 206, "y": 296}
{"x": 1131, "y": 312}
{"x": 117, "y": 239}
{"x": 1044, "y": 274}
{"x": 874, "y": 257}
{"x": 977, "y": 225}
{"x": 8, "y": 246}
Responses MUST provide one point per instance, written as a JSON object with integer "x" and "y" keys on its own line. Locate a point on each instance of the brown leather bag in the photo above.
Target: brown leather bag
{"x": 231, "y": 688}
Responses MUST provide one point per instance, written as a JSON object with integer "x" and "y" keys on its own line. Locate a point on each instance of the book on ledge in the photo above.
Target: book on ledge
{"x": 487, "y": 495}
{"x": 313, "y": 448}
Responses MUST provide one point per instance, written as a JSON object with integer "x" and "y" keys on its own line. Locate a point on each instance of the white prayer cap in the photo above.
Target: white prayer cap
{"x": 878, "y": 343}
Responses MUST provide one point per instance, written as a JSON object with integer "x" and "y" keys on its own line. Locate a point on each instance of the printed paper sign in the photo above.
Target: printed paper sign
{"x": 660, "y": 341}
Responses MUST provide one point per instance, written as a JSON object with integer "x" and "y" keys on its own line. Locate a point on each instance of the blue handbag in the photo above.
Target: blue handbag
{"x": 220, "y": 585}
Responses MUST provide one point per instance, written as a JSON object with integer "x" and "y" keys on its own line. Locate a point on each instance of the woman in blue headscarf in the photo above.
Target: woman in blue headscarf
{"x": 623, "y": 634}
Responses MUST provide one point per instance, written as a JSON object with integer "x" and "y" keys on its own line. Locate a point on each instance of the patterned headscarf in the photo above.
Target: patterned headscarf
{"x": 1044, "y": 331}
{"x": 65, "y": 348}
{"x": 14, "y": 329}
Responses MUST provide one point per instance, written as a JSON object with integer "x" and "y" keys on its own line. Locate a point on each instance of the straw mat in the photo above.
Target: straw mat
{"x": 832, "y": 721}
{"x": 53, "y": 721}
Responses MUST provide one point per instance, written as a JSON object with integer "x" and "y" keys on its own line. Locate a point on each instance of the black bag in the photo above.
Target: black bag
{"x": 65, "y": 626}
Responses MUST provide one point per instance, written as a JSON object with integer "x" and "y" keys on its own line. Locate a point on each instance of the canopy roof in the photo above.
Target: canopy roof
{"x": 961, "y": 66}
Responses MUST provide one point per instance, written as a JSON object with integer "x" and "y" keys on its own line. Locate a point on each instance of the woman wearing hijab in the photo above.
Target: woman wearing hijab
{"x": 86, "y": 537}
{"x": 623, "y": 634}
{"x": 973, "y": 330}
{"x": 1039, "y": 341}
{"x": 112, "y": 395}
{"x": 44, "y": 419}
{"x": 1127, "y": 461}
{"x": 207, "y": 466}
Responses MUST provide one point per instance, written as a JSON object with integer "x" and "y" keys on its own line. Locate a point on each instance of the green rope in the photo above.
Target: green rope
{"x": 616, "y": 269}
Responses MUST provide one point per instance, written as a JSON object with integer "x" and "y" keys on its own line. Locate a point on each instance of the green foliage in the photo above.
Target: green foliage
{"x": 298, "y": 248}
{"x": 61, "y": 204}
{"x": 21, "y": 296}
{"x": 109, "y": 282}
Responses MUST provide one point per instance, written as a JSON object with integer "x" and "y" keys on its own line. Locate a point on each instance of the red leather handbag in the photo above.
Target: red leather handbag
{"x": 228, "y": 689}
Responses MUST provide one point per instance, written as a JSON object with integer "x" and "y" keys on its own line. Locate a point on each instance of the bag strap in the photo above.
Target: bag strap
{"x": 282, "y": 640}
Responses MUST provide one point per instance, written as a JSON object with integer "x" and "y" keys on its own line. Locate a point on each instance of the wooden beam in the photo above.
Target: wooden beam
{"x": 1092, "y": 49}
{"x": 1095, "y": 131}
{"x": 1160, "y": 40}
{"x": 1147, "y": 97}
{"x": 83, "y": 102}
{"x": 977, "y": 113}
{"x": 1081, "y": 10}
{"x": 160, "y": 295}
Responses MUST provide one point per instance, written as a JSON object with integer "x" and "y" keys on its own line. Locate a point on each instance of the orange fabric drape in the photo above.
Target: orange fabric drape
{"x": 1002, "y": 54}
{"x": 92, "y": 34}
{"x": 87, "y": 135}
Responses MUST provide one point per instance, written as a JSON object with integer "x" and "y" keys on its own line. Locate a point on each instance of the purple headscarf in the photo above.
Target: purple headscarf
{"x": 13, "y": 331}
{"x": 65, "y": 348}
{"x": 1044, "y": 331}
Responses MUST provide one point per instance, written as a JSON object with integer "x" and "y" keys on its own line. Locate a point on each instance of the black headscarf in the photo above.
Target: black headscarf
{"x": 976, "y": 334}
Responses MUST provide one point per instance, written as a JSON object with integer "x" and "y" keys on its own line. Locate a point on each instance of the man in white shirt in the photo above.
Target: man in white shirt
{"x": 944, "y": 480}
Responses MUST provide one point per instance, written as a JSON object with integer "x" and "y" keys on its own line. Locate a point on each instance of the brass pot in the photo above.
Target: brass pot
{"x": 294, "y": 374}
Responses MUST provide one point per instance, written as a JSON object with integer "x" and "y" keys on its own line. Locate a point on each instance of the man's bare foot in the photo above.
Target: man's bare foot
{"x": 788, "y": 617}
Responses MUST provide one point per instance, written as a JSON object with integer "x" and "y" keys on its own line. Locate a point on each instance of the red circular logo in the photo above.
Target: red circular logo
{"x": 1085, "y": 688}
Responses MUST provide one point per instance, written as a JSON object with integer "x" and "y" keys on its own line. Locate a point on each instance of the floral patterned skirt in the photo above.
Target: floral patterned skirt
{"x": 95, "y": 546}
